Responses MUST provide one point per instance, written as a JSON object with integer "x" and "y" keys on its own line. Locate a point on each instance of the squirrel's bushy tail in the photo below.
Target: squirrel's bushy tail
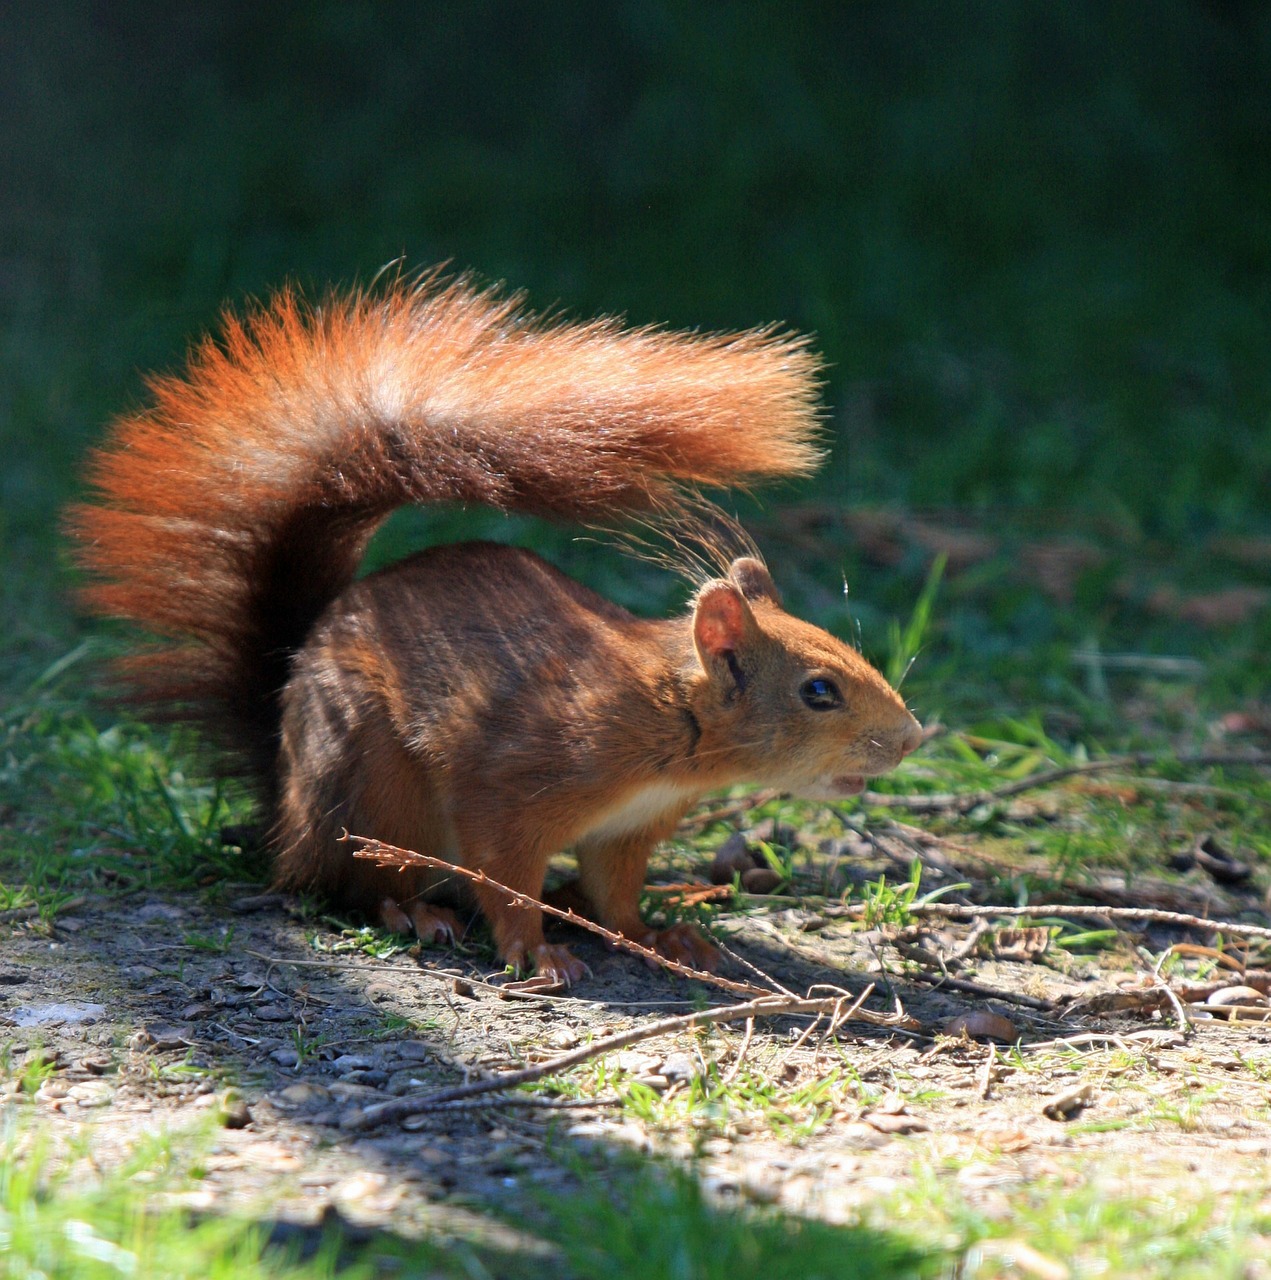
{"x": 234, "y": 508}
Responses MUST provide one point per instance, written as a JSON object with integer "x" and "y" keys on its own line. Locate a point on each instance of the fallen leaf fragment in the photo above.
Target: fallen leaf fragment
{"x": 980, "y": 1024}
{"x": 164, "y": 1035}
{"x": 539, "y": 984}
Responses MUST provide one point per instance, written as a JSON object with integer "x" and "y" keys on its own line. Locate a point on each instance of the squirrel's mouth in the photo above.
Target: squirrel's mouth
{"x": 850, "y": 784}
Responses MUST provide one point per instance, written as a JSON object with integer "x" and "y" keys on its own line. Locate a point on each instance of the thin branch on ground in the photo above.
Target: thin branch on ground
{"x": 964, "y": 802}
{"x": 960, "y": 911}
{"x": 397, "y": 1109}
{"x": 390, "y": 855}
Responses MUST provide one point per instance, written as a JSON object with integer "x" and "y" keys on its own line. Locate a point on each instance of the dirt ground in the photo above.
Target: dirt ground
{"x": 144, "y": 1006}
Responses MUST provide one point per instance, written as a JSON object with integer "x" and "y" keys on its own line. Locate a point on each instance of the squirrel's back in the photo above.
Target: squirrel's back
{"x": 235, "y": 507}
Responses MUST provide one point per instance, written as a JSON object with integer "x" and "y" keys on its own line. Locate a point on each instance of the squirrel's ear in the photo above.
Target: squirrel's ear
{"x": 721, "y": 619}
{"x": 753, "y": 578}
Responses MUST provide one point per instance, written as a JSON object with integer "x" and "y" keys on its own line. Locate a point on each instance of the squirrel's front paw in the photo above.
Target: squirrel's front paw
{"x": 687, "y": 945}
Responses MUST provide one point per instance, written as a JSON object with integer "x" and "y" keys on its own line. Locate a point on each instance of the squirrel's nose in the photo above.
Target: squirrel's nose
{"x": 912, "y": 739}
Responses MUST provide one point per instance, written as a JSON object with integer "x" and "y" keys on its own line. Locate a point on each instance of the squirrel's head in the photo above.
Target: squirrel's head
{"x": 794, "y": 707}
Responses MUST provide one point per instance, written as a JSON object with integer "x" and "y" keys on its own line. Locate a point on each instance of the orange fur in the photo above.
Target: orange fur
{"x": 470, "y": 701}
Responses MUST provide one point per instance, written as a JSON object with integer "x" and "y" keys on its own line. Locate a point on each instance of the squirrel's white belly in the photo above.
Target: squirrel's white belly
{"x": 639, "y": 810}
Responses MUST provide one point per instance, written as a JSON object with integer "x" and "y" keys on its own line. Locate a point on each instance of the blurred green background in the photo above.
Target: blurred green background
{"x": 1033, "y": 240}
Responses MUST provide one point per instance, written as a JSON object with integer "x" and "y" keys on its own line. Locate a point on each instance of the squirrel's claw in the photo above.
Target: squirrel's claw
{"x": 432, "y": 925}
{"x": 553, "y": 961}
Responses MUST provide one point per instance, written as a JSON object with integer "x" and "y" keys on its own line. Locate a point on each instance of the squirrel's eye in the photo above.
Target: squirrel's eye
{"x": 820, "y": 694}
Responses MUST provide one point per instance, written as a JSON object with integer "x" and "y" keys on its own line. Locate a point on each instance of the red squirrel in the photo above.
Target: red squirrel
{"x": 471, "y": 701}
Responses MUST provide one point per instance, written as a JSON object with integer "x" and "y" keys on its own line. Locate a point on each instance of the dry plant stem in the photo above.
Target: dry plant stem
{"x": 770, "y": 1006}
{"x": 390, "y": 855}
{"x": 755, "y": 969}
{"x": 1184, "y": 1025}
{"x": 964, "y": 802}
{"x": 800, "y": 1042}
{"x": 836, "y": 1020}
{"x": 958, "y": 911}
{"x": 837, "y": 1017}
{"x": 984, "y": 1077}
{"x": 1184, "y": 1022}
{"x": 741, "y": 1053}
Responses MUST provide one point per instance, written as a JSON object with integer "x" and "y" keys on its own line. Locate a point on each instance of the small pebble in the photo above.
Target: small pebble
{"x": 272, "y": 1013}
{"x": 412, "y": 1051}
{"x": 165, "y": 1035}
{"x": 373, "y": 1078}
{"x": 732, "y": 858}
{"x": 354, "y": 1062}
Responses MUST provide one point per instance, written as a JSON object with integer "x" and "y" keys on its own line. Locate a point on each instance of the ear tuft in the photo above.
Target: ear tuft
{"x": 720, "y": 619}
{"x": 754, "y": 580}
